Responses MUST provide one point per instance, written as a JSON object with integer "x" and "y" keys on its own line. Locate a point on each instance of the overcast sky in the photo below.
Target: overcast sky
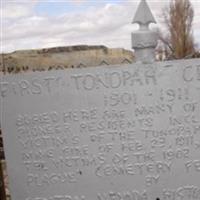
{"x": 31, "y": 24}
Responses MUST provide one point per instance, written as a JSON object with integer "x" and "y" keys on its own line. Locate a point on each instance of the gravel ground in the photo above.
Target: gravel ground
{"x": 5, "y": 179}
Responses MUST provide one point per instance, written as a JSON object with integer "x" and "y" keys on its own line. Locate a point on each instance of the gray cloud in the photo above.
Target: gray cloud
{"x": 108, "y": 25}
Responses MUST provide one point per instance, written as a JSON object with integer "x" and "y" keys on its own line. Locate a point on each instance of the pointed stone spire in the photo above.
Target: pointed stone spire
{"x": 143, "y": 14}
{"x": 144, "y": 41}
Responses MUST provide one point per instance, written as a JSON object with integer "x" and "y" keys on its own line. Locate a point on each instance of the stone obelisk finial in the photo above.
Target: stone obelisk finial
{"x": 144, "y": 41}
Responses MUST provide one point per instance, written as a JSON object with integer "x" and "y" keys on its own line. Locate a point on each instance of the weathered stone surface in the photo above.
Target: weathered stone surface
{"x": 64, "y": 57}
{"x": 130, "y": 132}
{"x": 143, "y": 14}
{"x": 144, "y": 41}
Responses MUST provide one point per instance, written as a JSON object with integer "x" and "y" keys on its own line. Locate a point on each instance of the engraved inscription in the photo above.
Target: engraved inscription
{"x": 129, "y": 133}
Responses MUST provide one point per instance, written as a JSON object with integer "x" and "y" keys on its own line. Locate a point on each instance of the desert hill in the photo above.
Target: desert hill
{"x": 63, "y": 57}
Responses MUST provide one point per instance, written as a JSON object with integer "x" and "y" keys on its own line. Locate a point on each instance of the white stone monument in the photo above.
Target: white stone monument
{"x": 104, "y": 133}
{"x": 144, "y": 41}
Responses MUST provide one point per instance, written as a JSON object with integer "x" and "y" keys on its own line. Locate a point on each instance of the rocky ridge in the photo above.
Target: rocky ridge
{"x": 63, "y": 57}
